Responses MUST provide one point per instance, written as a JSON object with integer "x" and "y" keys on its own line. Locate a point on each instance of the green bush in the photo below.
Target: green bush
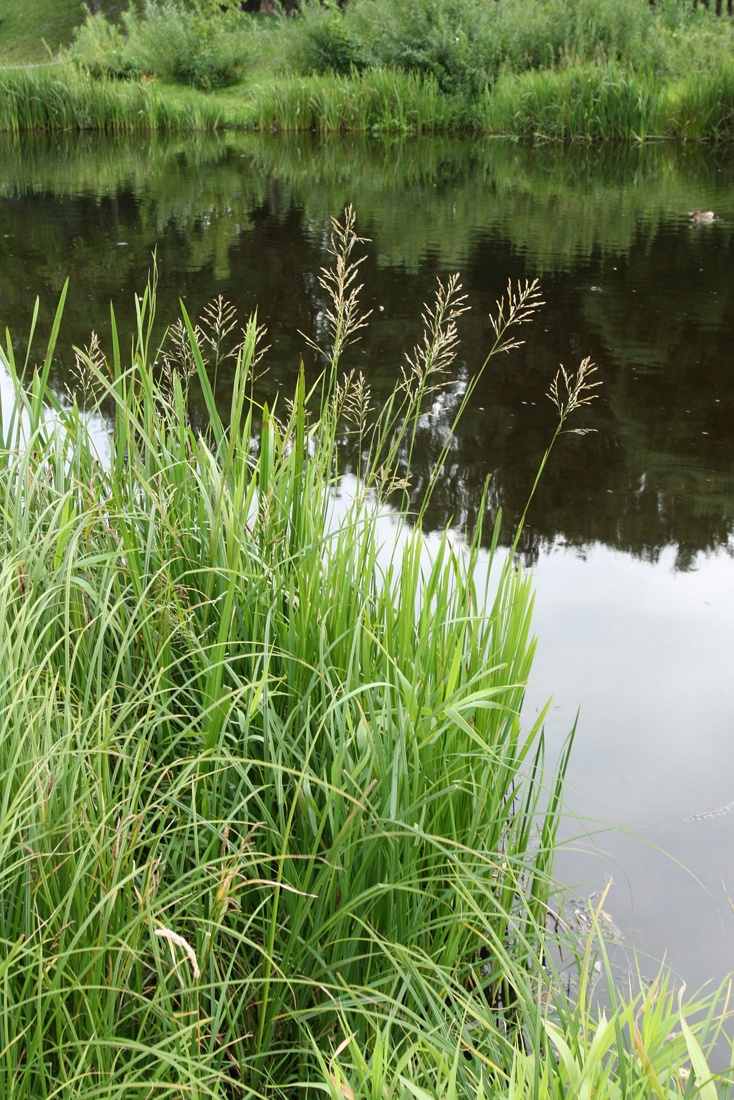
{"x": 101, "y": 48}
{"x": 549, "y": 33}
{"x": 449, "y": 39}
{"x": 616, "y": 31}
{"x": 466, "y": 43}
{"x": 319, "y": 41}
{"x": 180, "y": 45}
{"x": 168, "y": 40}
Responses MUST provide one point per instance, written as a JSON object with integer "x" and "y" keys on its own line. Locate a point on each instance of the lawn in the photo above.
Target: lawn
{"x": 28, "y": 32}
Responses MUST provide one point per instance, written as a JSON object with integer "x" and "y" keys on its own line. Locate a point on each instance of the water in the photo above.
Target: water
{"x": 631, "y": 530}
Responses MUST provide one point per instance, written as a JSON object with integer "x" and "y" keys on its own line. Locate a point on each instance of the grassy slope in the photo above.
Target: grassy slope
{"x": 25, "y": 27}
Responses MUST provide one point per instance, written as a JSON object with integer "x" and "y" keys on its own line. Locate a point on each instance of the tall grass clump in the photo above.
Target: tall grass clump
{"x": 375, "y": 101}
{"x": 100, "y": 47}
{"x": 702, "y": 104}
{"x": 264, "y": 785}
{"x": 318, "y": 41}
{"x": 641, "y": 1044}
{"x": 63, "y": 98}
{"x": 586, "y": 102}
{"x": 270, "y": 822}
{"x": 594, "y": 102}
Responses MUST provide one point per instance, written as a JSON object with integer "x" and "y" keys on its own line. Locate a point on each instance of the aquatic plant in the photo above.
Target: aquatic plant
{"x": 247, "y": 722}
{"x": 271, "y": 823}
{"x": 60, "y": 97}
{"x": 578, "y": 102}
{"x": 374, "y": 101}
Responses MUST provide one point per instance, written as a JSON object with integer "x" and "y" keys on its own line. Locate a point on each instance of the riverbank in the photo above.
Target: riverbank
{"x": 555, "y": 71}
{"x": 582, "y": 103}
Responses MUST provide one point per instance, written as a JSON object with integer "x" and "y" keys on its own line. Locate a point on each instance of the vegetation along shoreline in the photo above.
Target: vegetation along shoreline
{"x": 547, "y": 70}
{"x": 273, "y": 825}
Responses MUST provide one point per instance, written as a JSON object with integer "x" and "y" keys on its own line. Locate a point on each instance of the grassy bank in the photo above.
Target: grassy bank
{"x": 556, "y": 70}
{"x": 31, "y": 32}
{"x": 271, "y": 824}
{"x": 578, "y": 103}
{"x": 62, "y": 97}
{"x": 592, "y": 102}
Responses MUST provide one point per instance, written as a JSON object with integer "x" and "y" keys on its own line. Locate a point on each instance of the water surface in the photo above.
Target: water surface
{"x": 631, "y": 530}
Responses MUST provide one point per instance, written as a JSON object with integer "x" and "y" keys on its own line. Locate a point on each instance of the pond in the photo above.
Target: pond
{"x": 631, "y": 533}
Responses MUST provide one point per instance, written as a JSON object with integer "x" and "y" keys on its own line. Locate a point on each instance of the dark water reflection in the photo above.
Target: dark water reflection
{"x": 622, "y": 517}
{"x": 625, "y": 277}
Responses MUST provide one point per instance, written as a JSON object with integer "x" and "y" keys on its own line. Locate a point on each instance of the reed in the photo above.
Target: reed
{"x": 558, "y": 70}
{"x": 593, "y": 102}
{"x": 60, "y": 97}
{"x": 586, "y": 102}
{"x": 270, "y": 823}
{"x": 376, "y": 101}
{"x": 239, "y": 721}
{"x": 702, "y": 105}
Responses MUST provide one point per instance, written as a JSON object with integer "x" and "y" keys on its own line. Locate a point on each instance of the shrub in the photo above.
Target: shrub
{"x": 466, "y": 43}
{"x": 319, "y": 41}
{"x": 101, "y": 48}
{"x": 450, "y": 39}
{"x": 607, "y": 31}
{"x": 175, "y": 43}
{"x": 180, "y": 45}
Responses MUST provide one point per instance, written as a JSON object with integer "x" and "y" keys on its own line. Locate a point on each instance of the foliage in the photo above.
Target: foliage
{"x": 617, "y": 67}
{"x": 466, "y": 44}
{"x": 447, "y": 39}
{"x": 168, "y": 40}
{"x": 61, "y": 97}
{"x": 100, "y": 47}
{"x": 702, "y": 105}
{"x": 182, "y": 46}
{"x": 605, "y": 101}
{"x": 577, "y": 102}
{"x": 640, "y": 1045}
{"x": 318, "y": 41}
{"x": 265, "y": 787}
{"x": 376, "y": 101}
{"x": 269, "y": 822}
{"x": 469, "y": 46}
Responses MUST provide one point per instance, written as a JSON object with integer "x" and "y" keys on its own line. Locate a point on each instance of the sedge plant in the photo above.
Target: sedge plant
{"x": 267, "y": 801}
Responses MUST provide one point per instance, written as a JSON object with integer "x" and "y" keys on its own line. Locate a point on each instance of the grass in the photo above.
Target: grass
{"x": 592, "y": 102}
{"x": 581, "y": 70}
{"x": 269, "y": 823}
{"x": 248, "y": 724}
{"x": 63, "y": 98}
{"x": 377, "y": 101}
{"x": 31, "y": 32}
{"x": 576, "y": 103}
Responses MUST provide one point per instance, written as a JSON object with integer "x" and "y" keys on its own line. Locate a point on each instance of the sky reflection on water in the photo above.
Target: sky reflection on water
{"x": 645, "y": 652}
